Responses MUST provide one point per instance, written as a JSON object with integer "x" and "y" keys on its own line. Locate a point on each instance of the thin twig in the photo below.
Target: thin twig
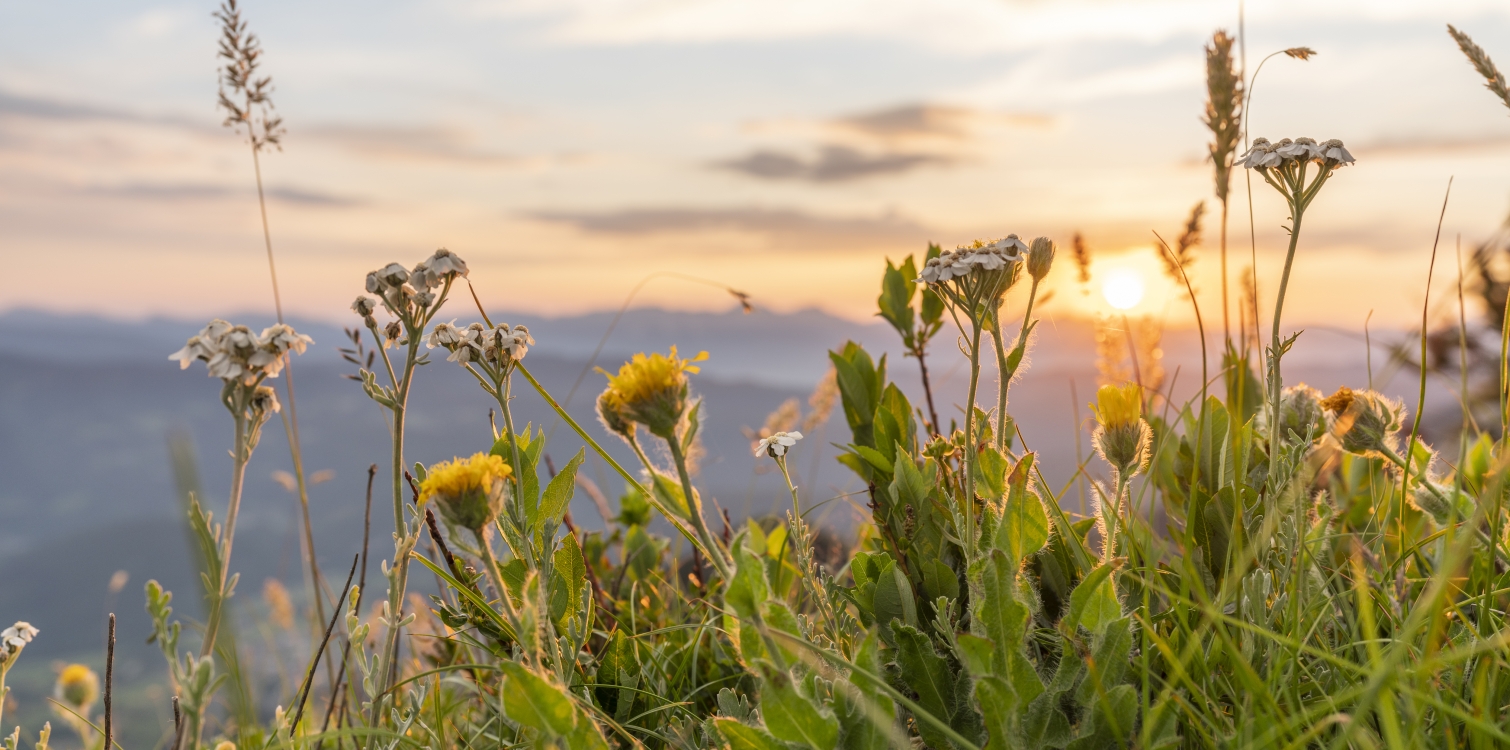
{"x": 109, "y": 679}
{"x": 309, "y": 678}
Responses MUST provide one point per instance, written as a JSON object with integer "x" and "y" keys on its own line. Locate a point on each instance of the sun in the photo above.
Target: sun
{"x": 1123, "y": 289}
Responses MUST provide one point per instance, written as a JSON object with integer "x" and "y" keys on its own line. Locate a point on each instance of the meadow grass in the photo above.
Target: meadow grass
{"x": 1318, "y": 576}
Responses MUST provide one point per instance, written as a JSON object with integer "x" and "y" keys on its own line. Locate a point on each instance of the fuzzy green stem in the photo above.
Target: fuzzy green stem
{"x": 1276, "y": 382}
{"x": 968, "y": 502}
{"x": 695, "y": 510}
{"x": 242, "y": 456}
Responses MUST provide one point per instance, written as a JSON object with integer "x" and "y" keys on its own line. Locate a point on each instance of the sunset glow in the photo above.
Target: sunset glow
{"x": 1122, "y": 288}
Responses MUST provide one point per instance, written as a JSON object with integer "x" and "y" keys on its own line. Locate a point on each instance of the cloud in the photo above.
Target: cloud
{"x": 429, "y": 144}
{"x": 831, "y": 164}
{"x": 780, "y": 226}
{"x": 179, "y": 191}
{"x": 874, "y": 143}
{"x": 930, "y": 122}
{"x": 52, "y": 109}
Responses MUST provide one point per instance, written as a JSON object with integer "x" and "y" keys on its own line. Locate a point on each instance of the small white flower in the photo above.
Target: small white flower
{"x": 1335, "y": 151}
{"x": 283, "y": 338}
{"x": 364, "y": 306}
{"x": 17, "y": 636}
{"x": 265, "y": 400}
{"x": 1302, "y": 149}
{"x": 444, "y": 335}
{"x": 1260, "y": 155}
{"x": 1010, "y": 246}
{"x": 777, "y": 444}
{"x": 393, "y": 274}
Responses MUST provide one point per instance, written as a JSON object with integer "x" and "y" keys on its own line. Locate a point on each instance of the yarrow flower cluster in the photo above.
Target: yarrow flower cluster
{"x": 777, "y": 444}
{"x": 234, "y": 354}
{"x": 402, "y": 290}
{"x": 499, "y": 347}
{"x": 13, "y": 639}
{"x": 1263, "y": 155}
{"x": 976, "y": 258}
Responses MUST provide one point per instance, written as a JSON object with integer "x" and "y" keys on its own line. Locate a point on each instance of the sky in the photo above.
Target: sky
{"x": 568, "y": 149}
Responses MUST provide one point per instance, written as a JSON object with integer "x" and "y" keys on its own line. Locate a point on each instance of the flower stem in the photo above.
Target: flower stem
{"x": 1276, "y": 381}
{"x": 241, "y": 457}
{"x": 968, "y": 501}
{"x": 695, "y": 511}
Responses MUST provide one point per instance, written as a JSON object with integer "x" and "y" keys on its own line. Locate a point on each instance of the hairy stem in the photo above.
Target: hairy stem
{"x": 695, "y": 511}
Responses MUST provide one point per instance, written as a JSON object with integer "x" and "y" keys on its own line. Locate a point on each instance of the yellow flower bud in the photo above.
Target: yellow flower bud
{"x": 78, "y": 687}
{"x": 1118, "y": 405}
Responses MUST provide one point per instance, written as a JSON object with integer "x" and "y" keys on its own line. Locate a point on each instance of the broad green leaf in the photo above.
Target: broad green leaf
{"x": 534, "y": 702}
{"x": 990, "y": 474}
{"x": 999, "y": 709}
{"x": 619, "y": 666}
{"x": 893, "y": 600}
{"x": 567, "y": 581}
{"x": 794, "y": 717}
{"x": 1024, "y": 525}
{"x": 745, "y": 737}
{"x": 558, "y": 495}
{"x": 929, "y": 676}
{"x": 1093, "y": 605}
{"x": 975, "y": 653}
{"x": 895, "y": 302}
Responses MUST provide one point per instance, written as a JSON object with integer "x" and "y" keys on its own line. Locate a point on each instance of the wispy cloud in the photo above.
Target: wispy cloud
{"x": 185, "y": 191}
{"x": 780, "y": 226}
{"x": 428, "y": 144}
{"x": 830, "y": 164}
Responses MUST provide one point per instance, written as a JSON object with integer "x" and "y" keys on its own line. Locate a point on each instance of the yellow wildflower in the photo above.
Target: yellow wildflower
{"x": 226, "y": 745}
{"x": 1118, "y": 405}
{"x": 469, "y": 491}
{"x": 78, "y": 687}
{"x": 652, "y": 390}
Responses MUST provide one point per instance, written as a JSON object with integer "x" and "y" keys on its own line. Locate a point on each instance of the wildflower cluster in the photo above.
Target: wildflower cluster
{"x": 13, "y": 639}
{"x": 405, "y": 292}
{"x": 498, "y": 347}
{"x": 1284, "y": 165}
{"x": 975, "y": 274}
{"x": 234, "y": 354}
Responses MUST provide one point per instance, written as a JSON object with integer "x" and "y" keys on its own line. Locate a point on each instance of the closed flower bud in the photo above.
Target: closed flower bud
{"x": 469, "y": 492}
{"x": 1300, "y": 414}
{"x": 1040, "y": 257}
{"x": 78, "y": 687}
{"x": 1365, "y": 422}
{"x": 264, "y": 401}
{"x": 1440, "y": 502}
{"x": 1122, "y": 438}
{"x": 611, "y": 414}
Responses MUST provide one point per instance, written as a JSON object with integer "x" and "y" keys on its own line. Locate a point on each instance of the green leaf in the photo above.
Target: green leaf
{"x": 794, "y": 717}
{"x": 999, "y": 709}
{"x": 567, "y": 582}
{"x": 1024, "y": 525}
{"x": 895, "y": 302}
{"x": 1093, "y": 605}
{"x": 692, "y": 423}
{"x": 619, "y": 666}
{"x": 745, "y": 737}
{"x": 990, "y": 474}
{"x": 929, "y": 676}
{"x": 558, "y": 495}
{"x": 975, "y": 653}
{"x": 893, "y": 600}
{"x": 532, "y": 701}
{"x": 931, "y": 305}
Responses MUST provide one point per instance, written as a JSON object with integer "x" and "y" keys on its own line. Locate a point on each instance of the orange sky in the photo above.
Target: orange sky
{"x": 568, "y": 149}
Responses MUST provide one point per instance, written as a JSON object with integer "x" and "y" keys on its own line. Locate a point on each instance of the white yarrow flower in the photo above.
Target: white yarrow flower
{"x": 776, "y": 444}
{"x": 1335, "y": 151}
{"x": 444, "y": 335}
{"x": 15, "y": 637}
